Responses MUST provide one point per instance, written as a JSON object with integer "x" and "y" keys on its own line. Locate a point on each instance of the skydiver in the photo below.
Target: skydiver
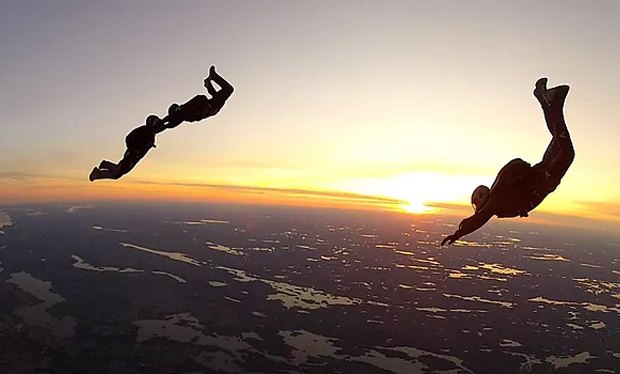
{"x": 139, "y": 141}
{"x": 200, "y": 106}
{"x": 519, "y": 187}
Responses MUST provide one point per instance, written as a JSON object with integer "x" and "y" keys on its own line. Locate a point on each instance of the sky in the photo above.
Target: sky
{"x": 400, "y": 102}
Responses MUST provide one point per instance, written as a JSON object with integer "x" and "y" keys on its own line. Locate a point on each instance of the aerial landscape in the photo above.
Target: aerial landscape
{"x": 225, "y": 288}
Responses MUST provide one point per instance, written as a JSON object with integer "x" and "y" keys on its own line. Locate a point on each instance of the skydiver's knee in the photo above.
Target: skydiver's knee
{"x": 225, "y": 93}
{"x": 571, "y": 158}
{"x": 569, "y": 153}
{"x": 566, "y": 147}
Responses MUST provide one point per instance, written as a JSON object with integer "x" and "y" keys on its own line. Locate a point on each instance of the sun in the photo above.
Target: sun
{"x": 416, "y": 206}
{"x": 415, "y": 191}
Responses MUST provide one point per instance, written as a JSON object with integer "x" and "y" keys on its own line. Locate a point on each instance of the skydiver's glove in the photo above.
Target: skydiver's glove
{"x": 449, "y": 239}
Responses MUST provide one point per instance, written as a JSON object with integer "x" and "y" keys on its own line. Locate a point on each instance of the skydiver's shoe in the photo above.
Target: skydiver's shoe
{"x": 556, "y": 96}
{"x": 94, "y": 174}
{"x": 540, "y": 89}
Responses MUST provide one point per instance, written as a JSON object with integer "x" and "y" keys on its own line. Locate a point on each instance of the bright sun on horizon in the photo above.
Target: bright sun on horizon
{"x": 417, "y": 191}
{"x": 417, "y": 207}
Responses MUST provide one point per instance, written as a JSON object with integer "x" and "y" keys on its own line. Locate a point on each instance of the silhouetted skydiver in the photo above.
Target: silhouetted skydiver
{"x": 200, "y": 106}
{"x": 519, "y": 187}
{"x": 139, "y": 141}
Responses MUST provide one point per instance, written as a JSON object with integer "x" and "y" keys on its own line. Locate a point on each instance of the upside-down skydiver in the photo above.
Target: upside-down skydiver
{"x": 520, "y": 187}
{"x": 200, "y": 106}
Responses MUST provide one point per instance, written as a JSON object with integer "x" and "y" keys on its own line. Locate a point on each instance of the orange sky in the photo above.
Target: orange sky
{"x": 49, "y": 190}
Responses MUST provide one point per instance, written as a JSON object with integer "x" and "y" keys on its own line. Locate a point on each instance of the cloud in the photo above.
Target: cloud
{"x": 293, "y": 192}
{"x": 30, "y": 176}
{"x": 611, "y": 209}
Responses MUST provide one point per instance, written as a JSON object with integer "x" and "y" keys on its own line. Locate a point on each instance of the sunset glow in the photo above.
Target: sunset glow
{"x": 417, "y": 190}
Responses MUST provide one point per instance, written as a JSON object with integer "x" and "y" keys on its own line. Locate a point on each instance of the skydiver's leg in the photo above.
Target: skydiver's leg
{"x": 113, "y": 171}
{"x": 552, "y": 103}
{"x": 106, "y": 170}
{"x": 109, "y": 173}
{"x": 218, "y": 98}
{"x": 105, "y": 164}
{"x": 94, "y": 174}
{"x": 560, "y": 152}
{"x": 210, "y": 89}
{"x": 102, "y": 174}
{"x": 129, "y": 161}
{"x": 226, "y": 88}
{"x": 558, "y": 162}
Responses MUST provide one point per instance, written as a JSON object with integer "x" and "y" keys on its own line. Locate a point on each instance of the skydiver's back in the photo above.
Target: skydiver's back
{"x": 140, "y": 137}
{"x": 519, "y": 188}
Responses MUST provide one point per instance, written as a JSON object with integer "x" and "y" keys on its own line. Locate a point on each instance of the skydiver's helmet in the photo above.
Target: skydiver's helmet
{"x": 479, "y": 197}
{"x": 153, "y": 121}
{"x": 173, "y": 108}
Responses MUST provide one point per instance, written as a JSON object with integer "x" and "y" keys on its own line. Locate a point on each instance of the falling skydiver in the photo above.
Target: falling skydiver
{"x": 200, "y": 106}
{"x": 519, "y": 187}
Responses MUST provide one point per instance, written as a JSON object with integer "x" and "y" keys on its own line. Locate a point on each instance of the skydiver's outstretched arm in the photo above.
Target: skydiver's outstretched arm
{"x": 471, "y": 224}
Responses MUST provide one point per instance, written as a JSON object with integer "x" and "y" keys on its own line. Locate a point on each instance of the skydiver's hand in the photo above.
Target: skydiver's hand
{"x": 449, "y": 239}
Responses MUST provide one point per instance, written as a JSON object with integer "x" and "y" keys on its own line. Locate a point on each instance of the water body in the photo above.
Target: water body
{"x": 185, "y": 328}
{"x": 308, "y": 346}
{"x": 225, "y": 249}
{"x": 5, "y": 220}
{"x": 293, "y": 296}
{"x": 99, "y": 228}
{"x": 81, "y": 264}
{"x": 176, "y": 256}
{"x": 37, "y": 315}
{"x": 173, "y": 276}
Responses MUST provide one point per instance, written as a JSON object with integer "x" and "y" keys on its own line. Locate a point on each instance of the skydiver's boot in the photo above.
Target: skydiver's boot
{"x": 539, "y": 91}
{"x": 212, "y": 72}
{"x": 552, "y": 98}
{"x": 552, "y": 103}
{"x": 94, "y": 174}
